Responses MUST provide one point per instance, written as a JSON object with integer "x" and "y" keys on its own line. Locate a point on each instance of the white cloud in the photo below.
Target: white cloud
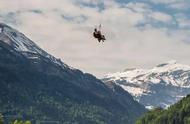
{"x": 174, "y": 4}
{"x": 183, "y": 21}
{"x": 180, "y": 5}
{"x": 71, "y": 39}
{"x": 139, "y": 7}
{"x": 166, "y": 1}
{"x": 150, "y": 15}
{"x": 159, "y": 16}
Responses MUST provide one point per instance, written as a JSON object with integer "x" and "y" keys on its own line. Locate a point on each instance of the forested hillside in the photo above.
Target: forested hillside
{"x": 178, "y": 113}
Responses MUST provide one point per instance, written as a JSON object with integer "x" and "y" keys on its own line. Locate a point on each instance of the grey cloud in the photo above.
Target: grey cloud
{"x": 75, "y": 19}
{"x": 37, "y": 11}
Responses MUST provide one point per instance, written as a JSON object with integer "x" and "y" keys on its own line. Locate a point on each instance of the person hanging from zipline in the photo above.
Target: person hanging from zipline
{"x": 97, "y": 34}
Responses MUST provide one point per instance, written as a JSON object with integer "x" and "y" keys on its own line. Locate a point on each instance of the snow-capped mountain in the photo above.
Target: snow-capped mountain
{"x": 160, "y": 86}
{"x": 35, "y": 85}
{"x": 21, "y": 43}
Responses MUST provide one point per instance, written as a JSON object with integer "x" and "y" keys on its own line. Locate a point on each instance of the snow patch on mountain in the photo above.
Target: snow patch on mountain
{"x": 24, "y": 45}
{"x": 162, "y": 85}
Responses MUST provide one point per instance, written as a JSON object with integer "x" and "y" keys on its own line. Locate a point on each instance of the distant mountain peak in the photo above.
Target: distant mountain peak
{"x": 129, "y": 69}
{"x": 171, "y": 62}
{"x": 168, "y": 81}
{"x": 170, "y": 66}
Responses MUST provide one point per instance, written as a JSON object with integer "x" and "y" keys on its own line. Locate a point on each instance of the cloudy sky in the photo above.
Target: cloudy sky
{"x": 140, "y": 33}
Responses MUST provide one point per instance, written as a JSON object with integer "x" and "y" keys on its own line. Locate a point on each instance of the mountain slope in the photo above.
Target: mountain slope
{"x": 176, "y": 114}
{"x": 35, "y": 85}
{"x": 161, "y": 86}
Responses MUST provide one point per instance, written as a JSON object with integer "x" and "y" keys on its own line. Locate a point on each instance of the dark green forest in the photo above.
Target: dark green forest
{"x": 178, "y": 113}
{"x": 14, "y": 122}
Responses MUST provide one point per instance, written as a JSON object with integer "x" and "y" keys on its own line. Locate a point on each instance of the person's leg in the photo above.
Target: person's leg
{"x": 99, "y": 39}
{"x": 103, "y": 37}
